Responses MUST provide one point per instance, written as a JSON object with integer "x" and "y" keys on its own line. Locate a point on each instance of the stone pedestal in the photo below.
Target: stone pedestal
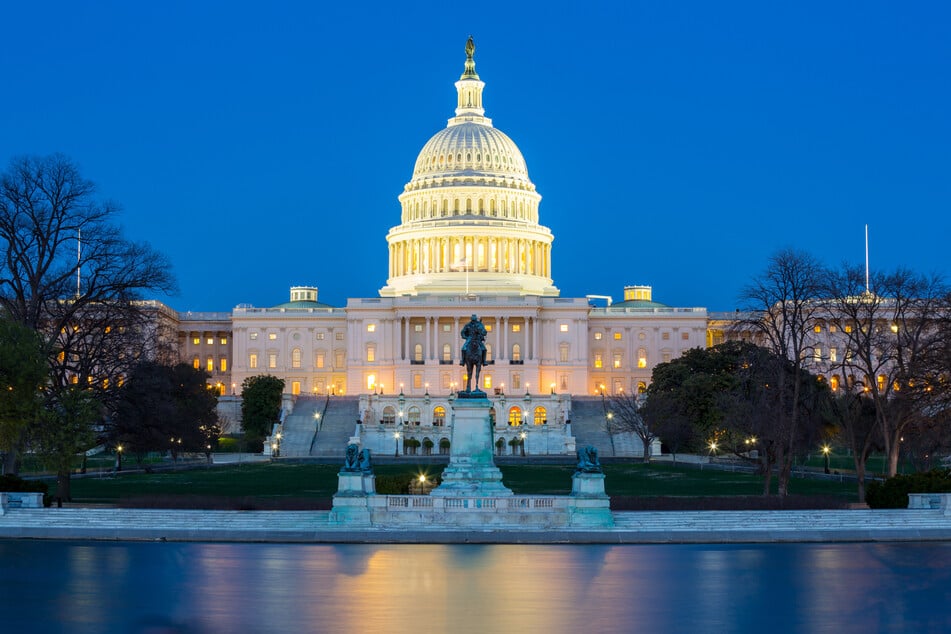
{"x": 471, "y": 470}
{"x": 590, "y": 506}
{"x": 350, "y": 504}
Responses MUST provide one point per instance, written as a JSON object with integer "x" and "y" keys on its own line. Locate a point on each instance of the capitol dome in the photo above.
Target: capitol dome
{"x": 469, "y": 221}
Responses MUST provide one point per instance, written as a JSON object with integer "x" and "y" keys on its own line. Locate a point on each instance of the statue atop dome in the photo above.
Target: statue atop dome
{"x": 470, "y": 62}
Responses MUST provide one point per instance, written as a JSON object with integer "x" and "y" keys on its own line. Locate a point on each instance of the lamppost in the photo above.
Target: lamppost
{"x": 552, "y": 388}
{"x": 826, "y": 450}
{"x": 396, "y": 444}
{"x": 118, "y": 457}
{"x": 317, "y": 421}
{"x": 521, "y": 438}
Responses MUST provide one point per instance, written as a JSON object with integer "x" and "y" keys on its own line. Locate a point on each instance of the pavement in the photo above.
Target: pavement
{"x": 631, "y": 527}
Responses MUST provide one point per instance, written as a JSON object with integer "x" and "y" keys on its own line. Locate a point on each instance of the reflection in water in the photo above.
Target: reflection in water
{"x": 219, "y": 588}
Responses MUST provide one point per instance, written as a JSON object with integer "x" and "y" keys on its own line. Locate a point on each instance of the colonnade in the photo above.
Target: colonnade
{"x": 476, "y": 254}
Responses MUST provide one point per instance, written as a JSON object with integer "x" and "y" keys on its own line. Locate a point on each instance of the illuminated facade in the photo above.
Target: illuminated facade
{"x": 469, "y": 242}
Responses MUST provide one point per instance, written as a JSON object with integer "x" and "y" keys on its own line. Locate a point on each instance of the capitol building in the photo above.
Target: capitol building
{"x": 469, "y": 240}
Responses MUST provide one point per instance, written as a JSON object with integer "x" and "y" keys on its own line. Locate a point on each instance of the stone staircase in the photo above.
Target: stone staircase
{"x": 300, "y": 426}
{"x": 337, "y": 426}
{"x": 629, "y": 527}
{"x": 588, "y": 425}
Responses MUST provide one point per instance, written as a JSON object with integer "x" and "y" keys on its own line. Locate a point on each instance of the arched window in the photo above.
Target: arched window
{"x": 439, "y": 416}
{"x": 515, "y": 416}
{"x": 418, "y": 352}
{"x": 641, "y": 358}
{"x": 295, "y": 358}
{"x": 516, "y": 352}
{"x": 541, "y": 416}
{"x": 413, "y": 415}
{"x": 389, "y": 415}
{"x": 446, "y": 352}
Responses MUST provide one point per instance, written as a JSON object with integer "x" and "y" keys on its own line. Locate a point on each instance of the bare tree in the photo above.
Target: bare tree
{"x": 67, "y": 272}
{"x": 892, "y": 329}
{"x": 784, "y": 304}
{"x": 625, "y": 416}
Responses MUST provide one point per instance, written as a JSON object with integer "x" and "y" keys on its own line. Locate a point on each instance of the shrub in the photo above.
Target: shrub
{"x": 11, "y": 483}
{"x": 893, "y": 493}
{"x": 393, "y": 484}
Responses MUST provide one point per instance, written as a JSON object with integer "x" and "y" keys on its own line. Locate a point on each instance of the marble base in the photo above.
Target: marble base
{"x": 471, "y": 470}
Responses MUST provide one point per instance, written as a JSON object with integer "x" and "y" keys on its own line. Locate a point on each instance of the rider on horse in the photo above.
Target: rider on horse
{"x": 474, "y": 332}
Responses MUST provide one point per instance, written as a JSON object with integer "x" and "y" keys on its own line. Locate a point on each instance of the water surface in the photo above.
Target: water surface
{"x": 77, "y": 587}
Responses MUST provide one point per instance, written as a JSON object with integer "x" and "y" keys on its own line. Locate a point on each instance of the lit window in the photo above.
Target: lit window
{"x": 563, "y": 327}
{"x": 597, "y": 360}
{"x": 516, "y": 327}
{"x": 881, "y": 382}
{"x": 488, "y": 327}
{"x": 371, "y": 381}
{"x": 488, "y": 352}
{"x": 833, "y": 355}
{"x": 515, "y": 416}
{"x": 439, "y": 416}
{"x": 253, "y": 336}
{"x": 320, "y": 359}
{"x": 371, "y": 354}
{"x": 371, "y": 327}
{"x": 338, "y": 336}
{"x": 196, "y": 363}
{"x": 817, "y": 328}
{"x": 272, "y": 360}
{"x": 597, "y": 336}
{"x": 617, "y": 360}
{"x": 848, "y": 328}
{"x": 196, "y": 341}
{"x": 252, "y": 361}
{"x": 210, "y": 341}
{"x": 224, "y": 341}
{"x": 446, "y": 352}
{"x": 418, "y": 352}
{"x": 320, "y": 336}
{"x": 210, "y": 364}
{"x": 295, "y": 388}
{"x": 487, "y": 382}
{"x": 223, "y": 364}
{"x": 541, "y": 416}
{"x": 516, "y": 352}
{"x": 834, "y": 382}
{"x": 446, "y": 328}
{"x": 295, "y": 358}
{"x": 418, "y": 327}
{"x": 641, "y": 358}
{"x": 817, "y": 355}
{"x": 832, "y": 328}
{"x": 272, "y": 336}
{"x": 617, "y": 336}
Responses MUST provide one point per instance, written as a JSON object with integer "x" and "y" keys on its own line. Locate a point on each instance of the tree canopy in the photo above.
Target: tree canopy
{"x": 260, "y": 405}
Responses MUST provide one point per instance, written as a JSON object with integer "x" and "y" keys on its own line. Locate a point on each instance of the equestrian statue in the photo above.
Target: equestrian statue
{"x": 473, "y": 352}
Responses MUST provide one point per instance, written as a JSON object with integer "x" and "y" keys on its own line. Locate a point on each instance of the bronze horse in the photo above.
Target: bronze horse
{"x": 472, "y": 358}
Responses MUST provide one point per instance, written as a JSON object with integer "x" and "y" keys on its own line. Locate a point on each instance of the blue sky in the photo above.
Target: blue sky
{"x": 678, "y": 144}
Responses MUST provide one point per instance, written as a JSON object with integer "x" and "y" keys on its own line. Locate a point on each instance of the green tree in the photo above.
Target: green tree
{"x": 22, "y": 375}
{"x": 67, "y": 426}
{"x": 165, "y": 408}
{"x": 260, "y": 406}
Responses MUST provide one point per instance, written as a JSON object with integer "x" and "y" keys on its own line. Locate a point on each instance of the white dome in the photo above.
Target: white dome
{"x": 470, "y": 151}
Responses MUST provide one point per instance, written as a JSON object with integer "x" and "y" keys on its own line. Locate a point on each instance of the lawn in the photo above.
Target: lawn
{"x": 286, "y": 481}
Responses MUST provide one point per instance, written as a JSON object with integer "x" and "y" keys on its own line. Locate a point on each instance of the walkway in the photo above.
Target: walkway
{"x": 631, "y": 527}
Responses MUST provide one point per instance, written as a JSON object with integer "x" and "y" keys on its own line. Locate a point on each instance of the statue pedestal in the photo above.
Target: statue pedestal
{"x": 471, "y": 470}
{"x": 350, "y": 504}
{"x": 589, "y": 506}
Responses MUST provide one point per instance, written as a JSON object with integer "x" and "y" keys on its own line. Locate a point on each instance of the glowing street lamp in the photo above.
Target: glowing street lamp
{"x": 826, "y": 450}
{"x": 118, "y": 457}
{"x": 396, "y": 444}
